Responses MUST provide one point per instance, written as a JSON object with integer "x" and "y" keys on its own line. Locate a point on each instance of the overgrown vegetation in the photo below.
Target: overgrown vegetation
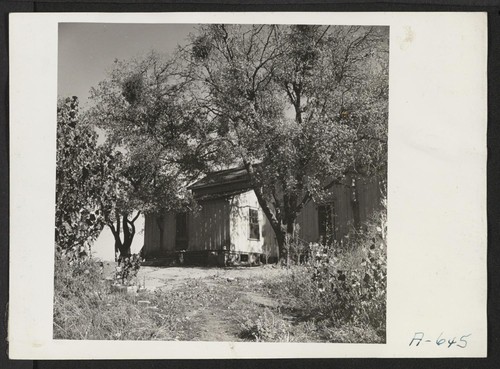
{"x": 78, "y": 219}
{"x": 127, "y": 269}
{"x": 342, "y": 286}
{"x": 85, "y": 307}
{"x": 337, "y": 295}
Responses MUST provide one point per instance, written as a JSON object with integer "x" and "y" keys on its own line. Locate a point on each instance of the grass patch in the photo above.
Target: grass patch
{"x": 86, "y": 309}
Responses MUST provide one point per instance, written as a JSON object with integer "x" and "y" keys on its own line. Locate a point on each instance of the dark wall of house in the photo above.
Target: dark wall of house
{"x": 367, "y": 196}
{"x": 209, "y": 227}
{"x": 152, "y": 245}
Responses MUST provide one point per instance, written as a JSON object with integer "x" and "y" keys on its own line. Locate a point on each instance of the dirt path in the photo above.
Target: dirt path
{"x": 167, "y": 278}
{"x": 220, "y": 301}
{"x": 215, "y": 327}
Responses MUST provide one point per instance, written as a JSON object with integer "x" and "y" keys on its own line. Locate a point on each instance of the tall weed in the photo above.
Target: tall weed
{"x": 85, "y": 307}
{"x": 267, "y": 327}
{"x": 344, "y": 284}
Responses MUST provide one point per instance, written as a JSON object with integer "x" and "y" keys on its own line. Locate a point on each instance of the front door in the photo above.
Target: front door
{"x": 181, "y": 231}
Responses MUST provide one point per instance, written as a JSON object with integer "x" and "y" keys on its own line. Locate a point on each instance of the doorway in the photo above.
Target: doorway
{"x": 181, "y": 231}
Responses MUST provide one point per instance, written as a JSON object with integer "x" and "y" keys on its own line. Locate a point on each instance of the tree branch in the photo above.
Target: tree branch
{"x": 134, "y": 218}
{"x": 112, "y": 227}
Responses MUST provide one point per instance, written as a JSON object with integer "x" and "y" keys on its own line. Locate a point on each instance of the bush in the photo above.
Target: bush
{"x": 78, "y": 219}
{"x": 344, "y": 284}
{"x": 268, "y": 327}
{"x": 127, "y": 269}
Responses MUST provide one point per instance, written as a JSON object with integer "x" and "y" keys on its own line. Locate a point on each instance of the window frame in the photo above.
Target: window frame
{"x": 253, "y": 224}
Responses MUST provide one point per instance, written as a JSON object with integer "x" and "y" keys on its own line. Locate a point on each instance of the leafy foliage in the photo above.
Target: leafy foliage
{"x": 157, "y": 131}
{"x": 145, "y": 107}
{"x": 79, "y": 218}
{"x": 307, "y": 103}
{"x": 267, "y": 327}
{"x": 93, "y": 184}
{"x": 127, "y": 269}
{"x": 345, "y": 284}
{"x": 300, "y": 107}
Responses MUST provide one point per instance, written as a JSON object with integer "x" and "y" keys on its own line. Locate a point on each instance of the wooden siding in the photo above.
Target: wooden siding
{"x": 369, "y": 197}
{"x": 308, "y": 222}
{"x": 342, "y": 199}
{"x": 208, "y": 229}
{"x": 151, "y": 238}
{"x": 270, "y": 244}
{"x": 152, "y": 245}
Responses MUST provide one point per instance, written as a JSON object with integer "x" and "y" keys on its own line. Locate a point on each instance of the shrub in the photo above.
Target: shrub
{"x": 78, "y": 219}
{"x": 127, "y": 269}
{"x": 268, "y": 327}
{"x": 344, "y": 284}
{"x": 351, "y": 285}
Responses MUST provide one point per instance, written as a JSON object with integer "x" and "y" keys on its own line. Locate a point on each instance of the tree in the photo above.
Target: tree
{"x": 157, "y": 137}
{"x": 104, "y": 185}
{"x": 144, "y": 186}
{"x": 92, "y": 188}
{"x": 116, "y": 199}
{"x": 302, "y": 107}
{"x": 78, "y": 217}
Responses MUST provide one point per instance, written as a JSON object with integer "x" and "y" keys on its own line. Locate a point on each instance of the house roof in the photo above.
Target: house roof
{"x": 222, "y": 177}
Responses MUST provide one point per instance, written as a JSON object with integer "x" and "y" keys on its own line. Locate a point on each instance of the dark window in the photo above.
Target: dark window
{"x": 181, "y": 234}
{"x": 326, "y": 221}
{"x": 254, "y": 224}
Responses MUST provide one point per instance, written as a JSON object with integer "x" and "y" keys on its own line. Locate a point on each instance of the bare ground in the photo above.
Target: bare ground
{"x": 220, "y": 299}
{"x": 168, "y": 278}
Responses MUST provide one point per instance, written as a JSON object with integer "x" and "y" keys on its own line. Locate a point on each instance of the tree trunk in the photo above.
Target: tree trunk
{"x": 284, "y": 235}
{"x": 127, "y": 226}
{"x": 128, "y": 236}
{"x": 290, "y": 235}
{"x": 124, "y": 249}
{"x": 280, "y": 239}
{"x": 283, "y": 224}
{"x": 118, "y": 244}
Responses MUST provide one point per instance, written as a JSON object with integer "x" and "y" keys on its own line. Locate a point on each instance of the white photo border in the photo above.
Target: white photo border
{"x": 436, "y": 189}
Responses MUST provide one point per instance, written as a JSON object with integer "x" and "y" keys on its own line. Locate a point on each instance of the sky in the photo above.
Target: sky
{"x": 87, "y": 50}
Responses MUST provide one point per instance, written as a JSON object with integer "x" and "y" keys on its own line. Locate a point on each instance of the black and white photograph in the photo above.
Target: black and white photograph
{"x": 221, "y": 182}
{"x": 242, "y": 185}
